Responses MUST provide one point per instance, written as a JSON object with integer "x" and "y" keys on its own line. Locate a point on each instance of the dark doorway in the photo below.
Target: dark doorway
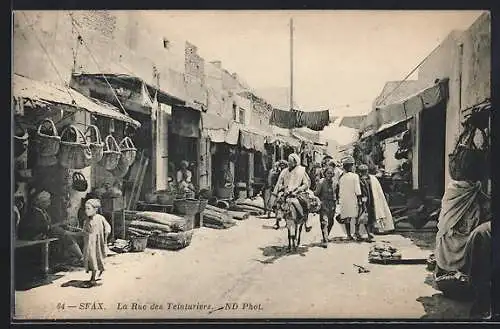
{"x": 432, "y": 151}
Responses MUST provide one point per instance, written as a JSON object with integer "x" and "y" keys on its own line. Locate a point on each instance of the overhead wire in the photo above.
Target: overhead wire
{"x": 95, "y": 61}
{"x": 63, "y": 82}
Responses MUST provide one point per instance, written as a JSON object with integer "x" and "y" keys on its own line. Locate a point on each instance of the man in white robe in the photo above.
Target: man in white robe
{"x": 294, "y": 179}
{"x": 349, "y": 190}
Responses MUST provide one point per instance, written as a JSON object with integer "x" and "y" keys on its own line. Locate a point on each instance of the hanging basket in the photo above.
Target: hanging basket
{"x": 74, "y": 154}
{"x": 20, "y": 141}
{"x": 111, "y": 154}
{"x": 468, "y": 161}
{"x": 94, "y": 139}
{"x": 128, "y": 150}
{"x": 79, "y": 182}
{"x": 48, "y": 142}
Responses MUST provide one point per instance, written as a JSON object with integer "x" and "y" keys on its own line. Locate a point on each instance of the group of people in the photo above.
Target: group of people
{"x": 351, "y": 198}
{"x": 37, "y": 224}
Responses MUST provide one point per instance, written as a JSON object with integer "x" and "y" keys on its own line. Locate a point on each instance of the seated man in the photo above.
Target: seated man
{"x": 38, "y": 225}
{"x": 294, "y": 179}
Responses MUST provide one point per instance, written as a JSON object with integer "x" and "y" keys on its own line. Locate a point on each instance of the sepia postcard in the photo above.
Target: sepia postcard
{"x": 251, "y": 165}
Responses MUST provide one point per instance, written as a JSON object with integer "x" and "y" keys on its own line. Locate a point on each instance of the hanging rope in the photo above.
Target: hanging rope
{"x": 75, "y": 23}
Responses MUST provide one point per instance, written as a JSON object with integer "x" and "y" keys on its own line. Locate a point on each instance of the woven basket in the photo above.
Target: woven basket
{"x": 95, "y": 141}
{"x": 111, "y": 154}
{"x": 128, "y": 150}
{"x": 170, "y": 241}
{"x": 225, "y": 192}
{"x": 47, "y": 145}
{"x": 452, "y": 286}
{"x": 138, "y": 243}
{"x": 74, "y": 154}
{"x": 187, "y": 206}
{"x": 203, "y": 205}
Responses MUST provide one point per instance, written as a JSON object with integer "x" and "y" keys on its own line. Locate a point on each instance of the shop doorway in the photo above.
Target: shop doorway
{"x": 182, "y": 148}
{"x": 432, "y": 151}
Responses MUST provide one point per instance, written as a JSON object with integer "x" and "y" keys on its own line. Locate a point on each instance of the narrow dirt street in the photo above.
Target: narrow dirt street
{"x": 246, "y": 272}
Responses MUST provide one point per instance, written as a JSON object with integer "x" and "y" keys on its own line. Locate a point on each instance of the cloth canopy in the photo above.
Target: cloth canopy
{"x": 253, "y": 139}
{"x": 45, "y": 93}
{"x": 314, "y": 120}
{"x": 407, "y": 108}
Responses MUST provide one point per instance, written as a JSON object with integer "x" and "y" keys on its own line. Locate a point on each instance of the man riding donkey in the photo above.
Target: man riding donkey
{"x": 294, "y": 183}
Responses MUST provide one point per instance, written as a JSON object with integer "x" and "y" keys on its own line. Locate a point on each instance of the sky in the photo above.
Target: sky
{"x": 342, "y": 59}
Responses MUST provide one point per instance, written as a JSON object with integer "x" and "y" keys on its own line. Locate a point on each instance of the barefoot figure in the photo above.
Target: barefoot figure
{"x": 96, "y": 230}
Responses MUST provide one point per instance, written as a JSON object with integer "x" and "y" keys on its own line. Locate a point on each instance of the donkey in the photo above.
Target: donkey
{"x": 294, "y": 222}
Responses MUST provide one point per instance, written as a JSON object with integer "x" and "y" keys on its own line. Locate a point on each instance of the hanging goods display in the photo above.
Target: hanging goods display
{"x": 111, "y": 154}
{"x": 75, "y": 152}
{"x": 94, "y": 139}
{"x": 468, "y": 161}
{"x": 128, "y": 150}
{"x": 48, "y": 141}
{"x": 20, "y": 141}
{"x": 79, "y": 182}
{"x": 128, "y": 154}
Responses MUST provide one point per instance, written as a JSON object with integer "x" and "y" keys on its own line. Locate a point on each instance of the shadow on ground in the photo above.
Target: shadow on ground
{"x": 440, "y": 307}
{"x": 271, "y": 227}
{"x": 78, "y": 284}
{"x": 27, "y": 284}
{"x": 273, "y": 253}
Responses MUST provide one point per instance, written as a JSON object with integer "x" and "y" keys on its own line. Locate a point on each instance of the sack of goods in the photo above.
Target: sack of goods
{"x": 164, "y": 231}
{"x": 383, "y": 252}
{"x": 217, "y": 218}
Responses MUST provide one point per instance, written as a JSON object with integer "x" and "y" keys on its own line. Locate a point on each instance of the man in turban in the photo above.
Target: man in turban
{"x": 38, "y": 225}
{"x": 295, "y": 180}
{"x": 350, "y": 199}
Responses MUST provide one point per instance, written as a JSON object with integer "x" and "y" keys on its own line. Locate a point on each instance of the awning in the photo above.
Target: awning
{"x": 354, "y": 122}
{"x": 253, "y": 139}
{"x": 286, "y": 140}
{"x": 132, "y": 83}
{"x": 214, "y": 127}
{"x": 409, "y": 107}
{"x": 233, "y": 133}
{"x": 44, "y": 93}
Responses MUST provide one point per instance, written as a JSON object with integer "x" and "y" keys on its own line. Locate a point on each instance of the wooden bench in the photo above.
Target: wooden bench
{"x": 45, "y": 250}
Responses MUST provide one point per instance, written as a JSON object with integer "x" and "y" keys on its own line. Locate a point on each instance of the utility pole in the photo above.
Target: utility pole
{"x": 291, "y": 64}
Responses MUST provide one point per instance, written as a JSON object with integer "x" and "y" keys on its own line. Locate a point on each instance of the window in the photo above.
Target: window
{"x": 235, "y": 114}
{"x": 242, "y": 115}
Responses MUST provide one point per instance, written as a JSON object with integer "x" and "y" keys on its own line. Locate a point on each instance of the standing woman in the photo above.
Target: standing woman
{"x": 96, "y": 230}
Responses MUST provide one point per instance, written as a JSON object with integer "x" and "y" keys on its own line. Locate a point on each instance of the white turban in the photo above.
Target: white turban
{"x": 96, "y": 203}
{"x": 295, "y": 157}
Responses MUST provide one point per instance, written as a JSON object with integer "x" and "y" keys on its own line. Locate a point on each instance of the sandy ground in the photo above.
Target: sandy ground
{"x": 246, "y": 272}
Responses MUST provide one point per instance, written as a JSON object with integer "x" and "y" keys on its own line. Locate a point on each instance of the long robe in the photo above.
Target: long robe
{"x": 349, "y": 190}
{"x": 96, "y": 229}
{"x": 383, "y": 216}
{"x": 460, "y": 215}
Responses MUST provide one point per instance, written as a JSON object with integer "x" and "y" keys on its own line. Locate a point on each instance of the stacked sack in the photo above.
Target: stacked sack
{"x": 166, "y": 231}
{"x": 383, "y": 252}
